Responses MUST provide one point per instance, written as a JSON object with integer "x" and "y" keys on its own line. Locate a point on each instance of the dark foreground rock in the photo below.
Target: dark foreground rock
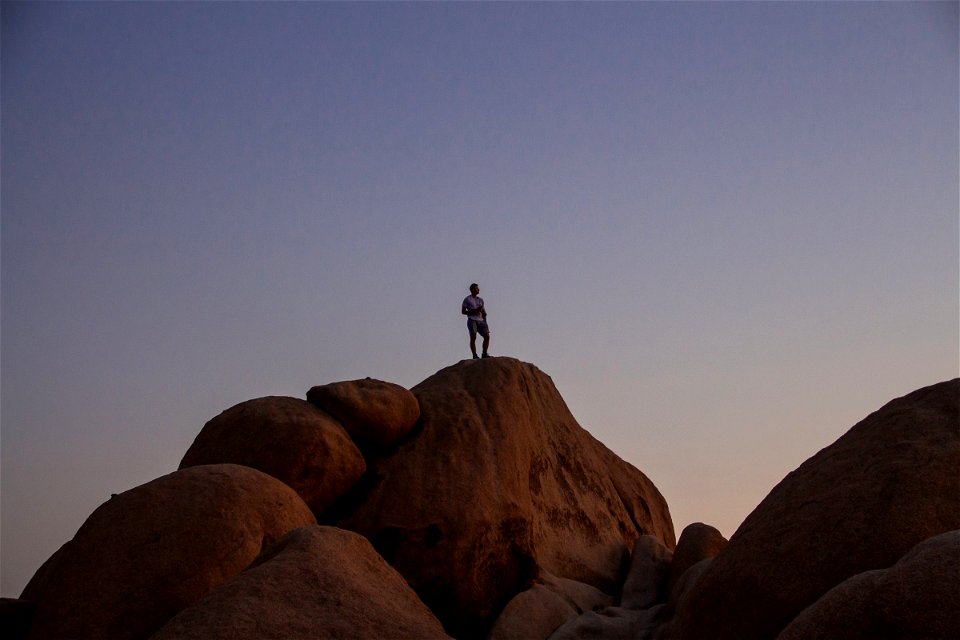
{"x": 915, "y": 598}
{"x": 315, "y": 582}
{"x": 15, "y": 618}
{"x": 698, "y": 541}
{"x": 500, "y": 484}
{"x": 647, "y": 581}
{"x": 534, "y": 614}
{"x": 888, "y": 484}
{"x": 613, "y": 623}
{"x": 151, "y": 551}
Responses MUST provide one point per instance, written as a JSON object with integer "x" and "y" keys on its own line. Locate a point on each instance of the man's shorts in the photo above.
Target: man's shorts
{"x": 477, "y": 326}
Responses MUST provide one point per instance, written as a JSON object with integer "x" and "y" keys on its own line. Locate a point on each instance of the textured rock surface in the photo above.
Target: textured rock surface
{"x": 287, "y": 438}
{"x": 646, "y": 583}
{"x": 372, "y": 411}
{"x": 502, "y": 482}
{"x": 915, "y": 598}
{"x": 860, "y": 504}
{"x": 536, "y": 613}
{"x": 315, "y": 582}
{"x": 149, "y": 552}
{"x": 697, "y": 542}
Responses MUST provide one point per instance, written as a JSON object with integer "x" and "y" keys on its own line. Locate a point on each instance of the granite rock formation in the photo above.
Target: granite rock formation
{"x": 698, "y": 541}
{"x": 149, "y": 552}
{"x": 860, "y": 504}
{"x": 494, "y": 515}
{"x": 287, "y": 438}
{"x": 372, "y": 411}
{"x": 549, "y": 602}
{"x": 500, "y": 484}
{"x": 315, "y": 582}
{"x": 915, "y": 598}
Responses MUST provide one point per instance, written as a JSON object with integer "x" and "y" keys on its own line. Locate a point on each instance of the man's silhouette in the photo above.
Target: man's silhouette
{"x": 472, "y": 307}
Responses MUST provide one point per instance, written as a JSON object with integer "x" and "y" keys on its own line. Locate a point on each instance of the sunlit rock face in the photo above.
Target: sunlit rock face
{"x": 499, "y": 483}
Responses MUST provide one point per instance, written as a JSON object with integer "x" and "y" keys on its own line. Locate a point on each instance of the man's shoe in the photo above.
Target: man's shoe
{"x": 486, "y": 355}
{"x": 475, "y": 356}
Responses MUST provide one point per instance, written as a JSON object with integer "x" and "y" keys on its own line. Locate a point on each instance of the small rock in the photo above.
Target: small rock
{"x": 537, "y": 612}
{"x": 372, "y": 411}
{"x": 697, "y": 542}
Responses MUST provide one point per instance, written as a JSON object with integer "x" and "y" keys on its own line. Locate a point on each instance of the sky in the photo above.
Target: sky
{"x": 727, "y": 231}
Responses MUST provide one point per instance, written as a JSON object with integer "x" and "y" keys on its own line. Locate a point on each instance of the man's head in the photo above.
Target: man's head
{"x": 475, "y": 288}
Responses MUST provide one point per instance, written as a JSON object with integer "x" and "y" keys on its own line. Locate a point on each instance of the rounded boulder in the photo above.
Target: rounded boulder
{"x": 287, "y": 438}
{"x": 149, "y": 552}
{"x": 372, "y": 411}
{"x": 698, "y": 541}
{"x": 916, "y": 597}
{"x": 858, "y": 505}
{"x": 315, "y": 582}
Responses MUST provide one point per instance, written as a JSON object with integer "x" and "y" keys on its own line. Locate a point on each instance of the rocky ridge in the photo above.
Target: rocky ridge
{"x": 474, "y": 506}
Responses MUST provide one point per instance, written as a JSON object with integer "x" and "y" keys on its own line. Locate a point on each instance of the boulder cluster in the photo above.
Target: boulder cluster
{"x": 474, "y": 506}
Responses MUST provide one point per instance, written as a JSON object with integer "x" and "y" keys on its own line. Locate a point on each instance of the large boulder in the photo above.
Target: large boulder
{"x": 860, "y": 504}
{"x": 149, "y": 552}
{"x": 315, "y": 582}
{"x": 287, "y": 438}
{"x": 500, "y": 484}
{"x": 915, "y": 598}
{"x": 373, "y": 412}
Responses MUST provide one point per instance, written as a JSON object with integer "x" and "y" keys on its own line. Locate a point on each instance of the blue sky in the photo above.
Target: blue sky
{"x": 727, "y": 231}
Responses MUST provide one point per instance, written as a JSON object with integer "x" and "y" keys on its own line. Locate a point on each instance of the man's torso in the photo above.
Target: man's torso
{"x": 473, "y": 305}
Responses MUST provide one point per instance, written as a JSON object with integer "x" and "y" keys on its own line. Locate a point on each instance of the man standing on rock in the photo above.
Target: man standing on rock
{"x": 472, "y": 307}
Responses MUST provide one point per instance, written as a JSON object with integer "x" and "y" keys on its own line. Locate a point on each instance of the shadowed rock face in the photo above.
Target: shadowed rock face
{"x": 550, "y": 601}
{"x": 915, "y": 598}
{"x": 149, "y": 552}
{"x": 698, "y": 541}
{"x": 646, "y": 583}
{"x": 287, "y": 438}
{"x": 888, "y": 484}
{"x": 501, "y": 482}
{"x": 315, "y": 582}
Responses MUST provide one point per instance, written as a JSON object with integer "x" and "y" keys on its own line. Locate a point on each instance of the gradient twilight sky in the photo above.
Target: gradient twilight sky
{"x": 727, "y": 231}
